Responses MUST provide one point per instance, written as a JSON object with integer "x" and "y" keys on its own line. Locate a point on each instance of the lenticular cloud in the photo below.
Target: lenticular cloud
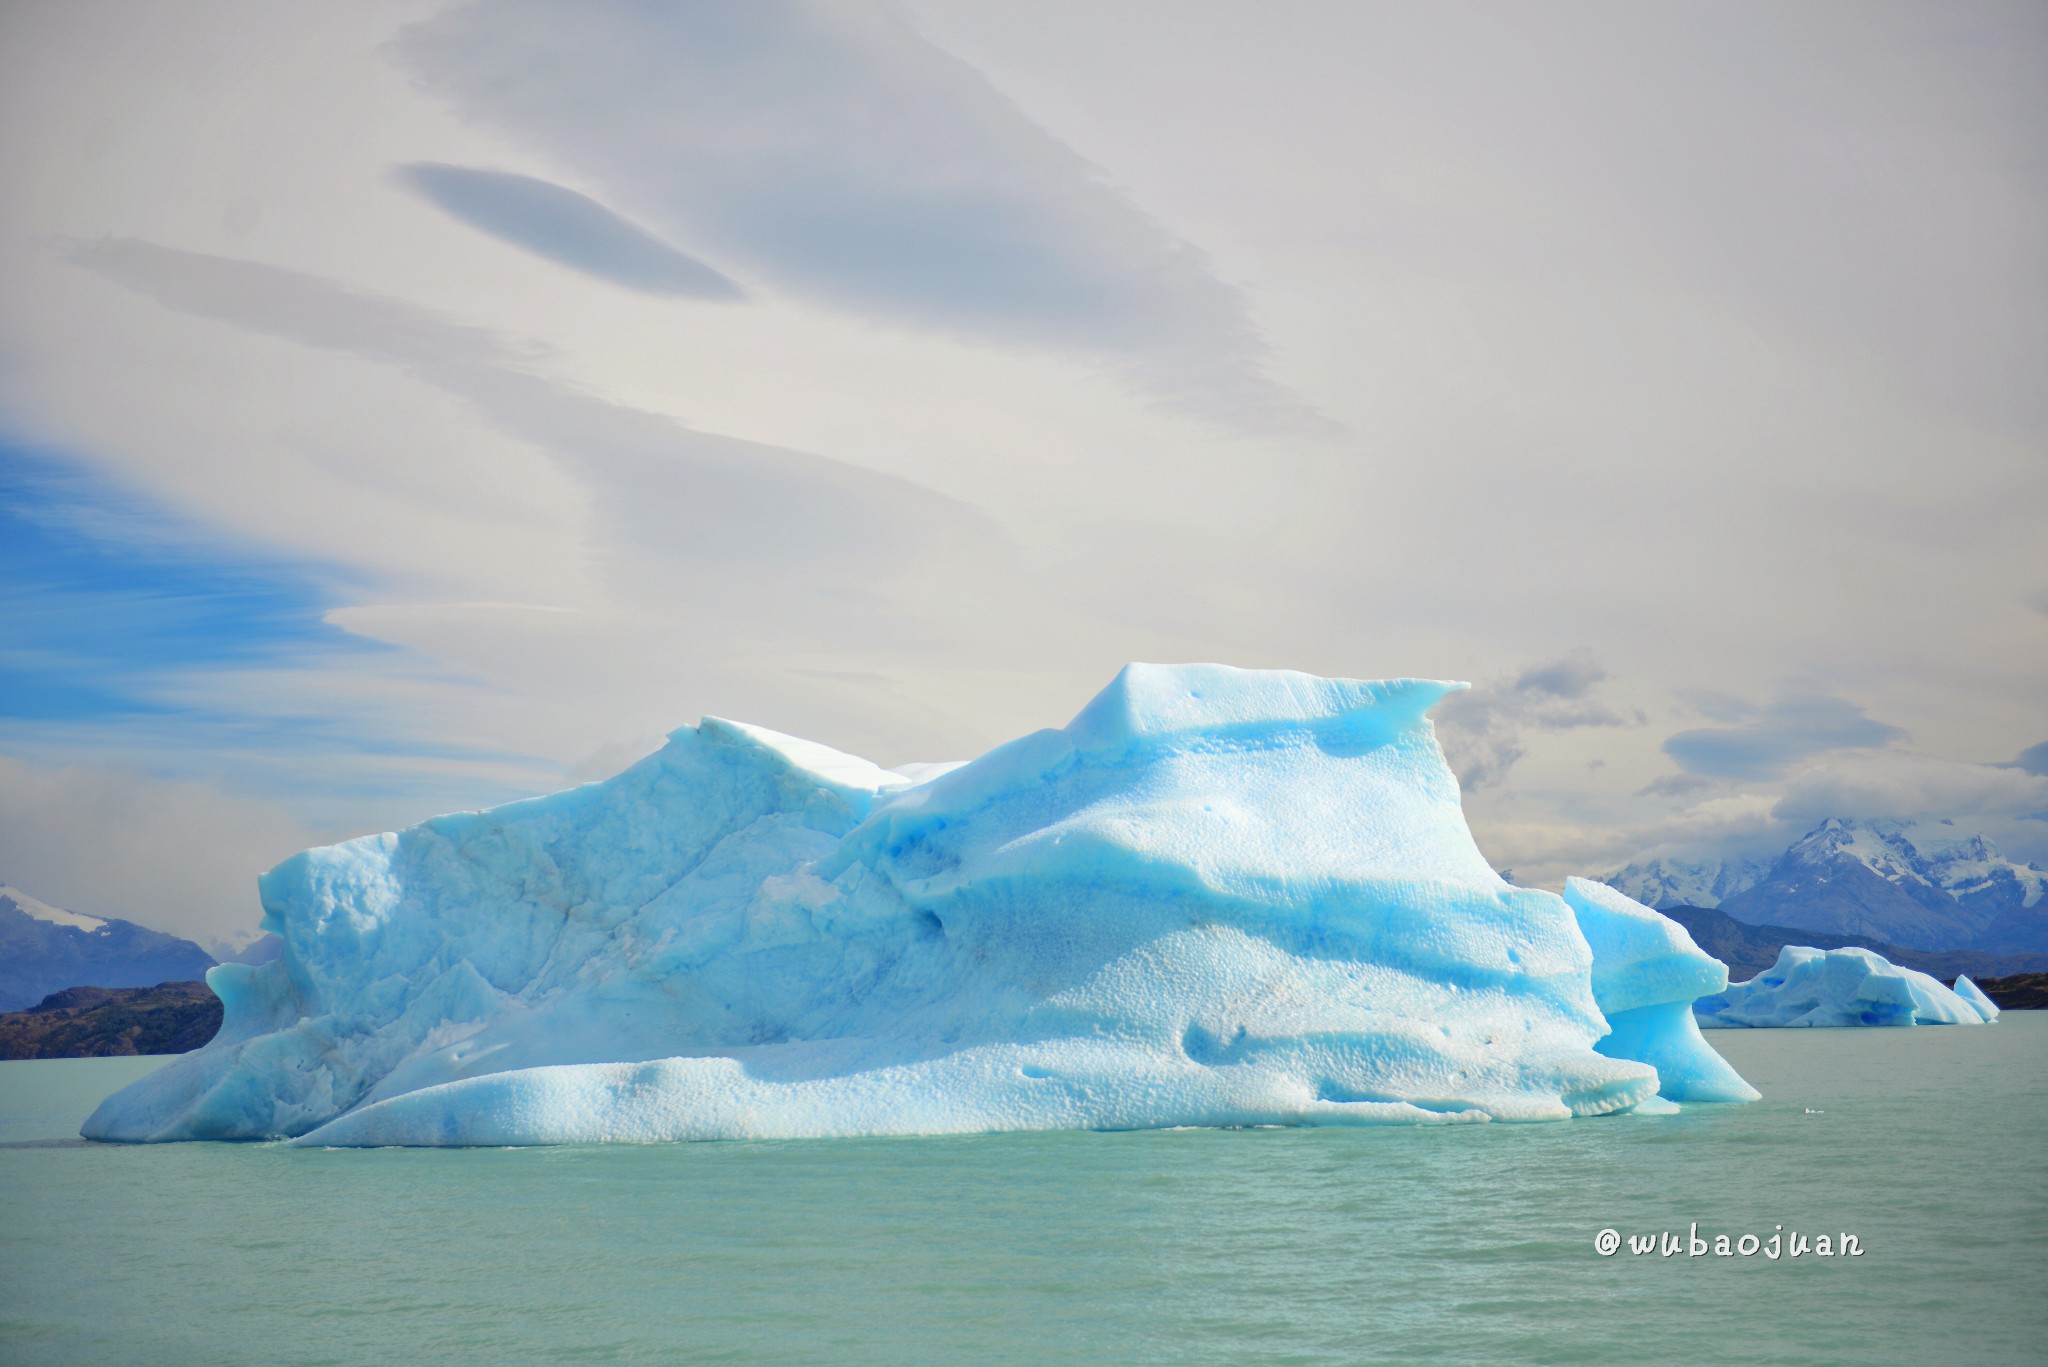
{"x": 1216, "y": 897}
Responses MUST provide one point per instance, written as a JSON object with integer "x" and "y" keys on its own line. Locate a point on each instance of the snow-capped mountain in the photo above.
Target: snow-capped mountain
{"x": 44, "y": 949}
{"x": 1687, "y": 883}
{"x": 1927, "y": 887}
{"x": 1972, "y": 870}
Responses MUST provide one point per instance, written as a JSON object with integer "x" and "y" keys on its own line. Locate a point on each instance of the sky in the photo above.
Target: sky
{"x": 408, "y": 406}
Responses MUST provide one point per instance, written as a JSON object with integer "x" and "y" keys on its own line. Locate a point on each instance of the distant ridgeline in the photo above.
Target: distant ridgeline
{"x": 44, "y": 949}
{"x": 98, "y": 1022}
{"x": 2022, "y": 992}
{"x": 1924, "y": 896}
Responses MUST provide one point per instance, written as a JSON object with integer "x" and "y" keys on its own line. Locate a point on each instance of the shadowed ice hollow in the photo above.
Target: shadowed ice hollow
{"x": 1216, "y": 897}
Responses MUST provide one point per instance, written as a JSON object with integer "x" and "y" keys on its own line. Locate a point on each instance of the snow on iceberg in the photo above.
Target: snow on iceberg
{"x": 1841, "y": 987}
{"x": 1216, "y": 897}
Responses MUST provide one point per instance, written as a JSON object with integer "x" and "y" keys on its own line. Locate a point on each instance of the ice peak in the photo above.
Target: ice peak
{"x": 1150, "y": 701}
{"x": 832, "y": 769}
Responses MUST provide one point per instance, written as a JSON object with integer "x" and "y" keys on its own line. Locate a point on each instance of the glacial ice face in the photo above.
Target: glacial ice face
{"x": 1217, "y": 897}
{"x": 1839, "y": 987}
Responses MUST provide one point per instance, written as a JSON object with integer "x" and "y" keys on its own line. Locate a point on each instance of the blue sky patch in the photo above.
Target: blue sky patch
{"x": 106, "y": 594}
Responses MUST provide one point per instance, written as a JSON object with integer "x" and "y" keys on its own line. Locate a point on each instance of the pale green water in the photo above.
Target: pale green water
{"x": 1262, "y": 1246}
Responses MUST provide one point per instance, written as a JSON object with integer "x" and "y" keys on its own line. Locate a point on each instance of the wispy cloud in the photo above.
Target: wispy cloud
{"x": 836, "y": 155}
{"x": 685, "y": 499}
{"x": 1486, "y": 730}
{"x": 722, "y": 561}
{"x": 573, "y": 230}
{"x": 1772, "y": 737}
{"x": 1679, "y": 786}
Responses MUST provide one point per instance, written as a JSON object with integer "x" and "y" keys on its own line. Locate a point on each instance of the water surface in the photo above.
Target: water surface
{"x": 1469, "y": 1244}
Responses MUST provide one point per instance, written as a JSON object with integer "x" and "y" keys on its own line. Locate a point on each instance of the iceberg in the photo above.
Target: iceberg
{"x": 1647, "y": 972}
{"x": 1841, "y": 987}
{"x": 1974, "y": 995}
{"x": 1216, "y": 897}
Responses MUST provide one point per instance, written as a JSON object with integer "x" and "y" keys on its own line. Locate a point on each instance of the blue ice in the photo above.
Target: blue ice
{"x": 1842, "y": 987}
{"x": 1974, "y": 995}
{"x": 1216, "y": 897}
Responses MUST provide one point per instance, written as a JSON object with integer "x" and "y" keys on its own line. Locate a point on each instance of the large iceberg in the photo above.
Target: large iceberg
{"x": 1842, "y": 987}
{"x": 1216, "y": 897}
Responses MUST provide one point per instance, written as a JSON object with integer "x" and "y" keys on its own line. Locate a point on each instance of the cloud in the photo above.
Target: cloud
{"x": 569, "y": 229}
{"x": 1717, "y": 706}
{"x": 177, "y": 857}
{"x": 2001, "y": 802}
{"x": 300, "y": 308}
{"x": 755, "y": 516}
{"x": 1485, "y": 730}
{"x": 2033, "y": 759}
{"x": 1677, "y": 786}
{"x": 1776, "y": 736}
{"x": 724, "y": 568}
{"x": 1496, "y": 283}
{"x": 1570, "y": 677}
{"x": 1901, "y": 786}
{"x": 838, "y": 156}
{"x": 1545, "y": 848}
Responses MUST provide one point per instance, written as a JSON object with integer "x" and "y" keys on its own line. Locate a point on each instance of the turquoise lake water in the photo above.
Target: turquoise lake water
{"x": 1469, "y": 1244}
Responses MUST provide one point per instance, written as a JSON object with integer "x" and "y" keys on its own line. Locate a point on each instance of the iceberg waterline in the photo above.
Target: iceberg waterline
{"x": 1842, "y": 987}
{"x": 1216, "y": 897}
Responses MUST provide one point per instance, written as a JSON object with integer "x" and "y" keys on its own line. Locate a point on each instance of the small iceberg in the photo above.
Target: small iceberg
{"x": 1842, "y": 987}
{"x": 1974, "y": 995}
{"x": 1216, "y": 897}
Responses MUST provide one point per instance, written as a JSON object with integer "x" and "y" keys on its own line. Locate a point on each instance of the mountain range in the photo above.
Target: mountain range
{"x": 1926, "y": 887}
{"x": 1749, "y": 950}
{"x": 44, "y": 949}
